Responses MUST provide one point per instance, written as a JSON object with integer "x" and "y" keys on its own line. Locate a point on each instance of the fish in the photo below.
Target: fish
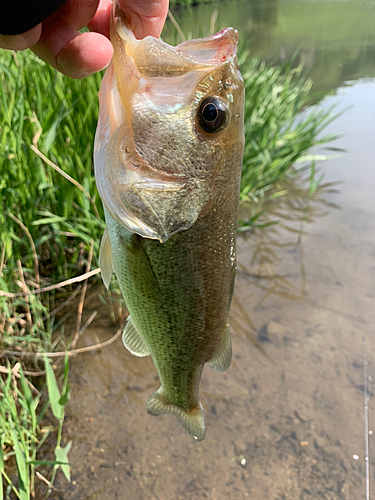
{"x": 168, "y": 156}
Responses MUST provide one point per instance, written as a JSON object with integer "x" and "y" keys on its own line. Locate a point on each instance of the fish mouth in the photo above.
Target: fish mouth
{"x": 214, "y": 49}
{"x": 155, "y": 170}
{"x": 154, "y": 58}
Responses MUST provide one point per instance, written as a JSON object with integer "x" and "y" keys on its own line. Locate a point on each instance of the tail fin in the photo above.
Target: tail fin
{"x": 191, "y": 420}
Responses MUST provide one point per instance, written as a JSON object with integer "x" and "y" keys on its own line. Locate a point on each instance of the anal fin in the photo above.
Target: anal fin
{"x": 222, "y": 357}
{"x": 133, "y": 341}
{"x": 191, "y": 420}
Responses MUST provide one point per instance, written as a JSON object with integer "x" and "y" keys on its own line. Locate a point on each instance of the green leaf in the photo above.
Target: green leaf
{"x": 53, "y": 391}
{"x": 61, "y": 455}
{"x": 25, "y": 388}
{"x": 48, "y": 220}
{"x": 28, "y": 397}
{"x": 51, "y": 126}
{"x": 47, "y": 462}
{"x": 66, "y": 387}
{"x": 1, "y": 468}
{"x": 65, "y": 396}
{"x": 22, "y": 468}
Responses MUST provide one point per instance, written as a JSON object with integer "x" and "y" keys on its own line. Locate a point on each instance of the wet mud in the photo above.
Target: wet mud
{"x": 288, "y": 425}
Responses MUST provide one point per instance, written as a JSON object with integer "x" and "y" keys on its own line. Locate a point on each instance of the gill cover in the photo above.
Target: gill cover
{"x": 154, "y": 171}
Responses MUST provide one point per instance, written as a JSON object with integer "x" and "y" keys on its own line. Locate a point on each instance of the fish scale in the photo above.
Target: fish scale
{"x": 171, "y": 227}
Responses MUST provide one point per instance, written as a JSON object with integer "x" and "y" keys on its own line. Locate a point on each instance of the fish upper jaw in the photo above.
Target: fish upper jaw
{"x": 153, "y": 57}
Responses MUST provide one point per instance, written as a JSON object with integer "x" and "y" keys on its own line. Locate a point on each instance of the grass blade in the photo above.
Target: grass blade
{"x": 61, "y": 455}
{"x": 22, "y": 467}
{"x": 2, "y": 468}
{"x": 53, "y": 391}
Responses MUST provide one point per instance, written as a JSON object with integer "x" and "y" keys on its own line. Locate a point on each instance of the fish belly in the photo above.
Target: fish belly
{"x": 178, "y": 294}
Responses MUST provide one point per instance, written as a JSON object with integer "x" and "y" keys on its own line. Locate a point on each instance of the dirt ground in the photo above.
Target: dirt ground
{"x": 282, "y": 430}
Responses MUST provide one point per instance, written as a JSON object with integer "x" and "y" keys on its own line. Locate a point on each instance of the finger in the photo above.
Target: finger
{"x": 78, "y": 13}
{"x": 85, "y": 55}
{"x": 146, "y": 17}
{"x": 72, "y": 53}
{"x": 100, "y": 22}
{"x": 23, "y": 41}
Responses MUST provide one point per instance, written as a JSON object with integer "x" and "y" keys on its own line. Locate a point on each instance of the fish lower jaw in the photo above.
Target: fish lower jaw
{"x": 191, "y": 420}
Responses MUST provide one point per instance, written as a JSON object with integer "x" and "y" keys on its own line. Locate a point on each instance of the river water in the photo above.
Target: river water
{"x": 288, "y": 425}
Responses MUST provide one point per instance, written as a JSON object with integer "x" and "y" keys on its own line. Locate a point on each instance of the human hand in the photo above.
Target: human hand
{"x": 57, "y": 39}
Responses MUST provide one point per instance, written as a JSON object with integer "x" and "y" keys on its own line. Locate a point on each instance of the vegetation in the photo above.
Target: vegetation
{"x": 23, "y": 433}
{"x": 46, "y": 223}
{"x": 51, "y": 225}
{"x": 277, "y": 135}
{"x": 47, "y": 227}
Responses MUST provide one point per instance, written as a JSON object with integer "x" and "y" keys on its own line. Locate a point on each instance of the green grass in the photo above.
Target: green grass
{"x": 42, "y": 214}
{"x": 35, "y": 99}
{"x": 47, "y": 224}
{"x": 40, "y": 106}
{"x": 23, "y": 431}
{"x": 277, "y": 133}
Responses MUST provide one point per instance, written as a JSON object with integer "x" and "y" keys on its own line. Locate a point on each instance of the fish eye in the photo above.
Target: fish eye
{"x": 212, "y": 114}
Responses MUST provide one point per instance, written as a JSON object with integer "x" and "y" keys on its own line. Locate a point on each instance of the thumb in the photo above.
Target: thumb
{"x": 146, "y": 17}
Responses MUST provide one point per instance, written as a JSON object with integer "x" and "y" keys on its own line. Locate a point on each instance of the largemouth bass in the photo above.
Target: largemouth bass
{"x": 168, "y": 158}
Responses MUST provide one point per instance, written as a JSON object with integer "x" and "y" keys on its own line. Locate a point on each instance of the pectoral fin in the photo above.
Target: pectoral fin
{"x": 105, "y": 259}
{"x": 222, "y": 357}
{"x": 133, "y": 341}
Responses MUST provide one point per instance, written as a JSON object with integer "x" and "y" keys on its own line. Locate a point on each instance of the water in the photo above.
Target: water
{"x": 334, "y": 39}
{"x": 290, "y": 428}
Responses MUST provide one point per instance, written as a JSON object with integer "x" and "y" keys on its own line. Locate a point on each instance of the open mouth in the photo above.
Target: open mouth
{"x": 154, "y": 58}
{"x": 156, "y": 150}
